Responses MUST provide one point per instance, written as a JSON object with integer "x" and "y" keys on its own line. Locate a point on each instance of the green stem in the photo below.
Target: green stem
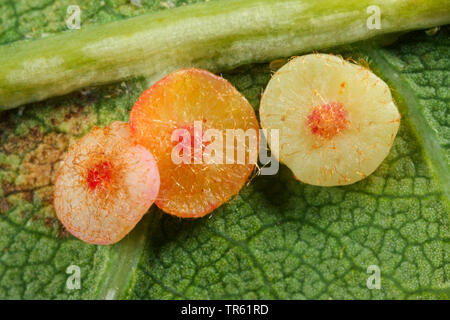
{"x": 216, "y": 35}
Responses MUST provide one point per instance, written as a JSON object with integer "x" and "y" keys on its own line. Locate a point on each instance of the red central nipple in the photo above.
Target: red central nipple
{"x": 99, "y": 174}
{"x": 328, "y": 120}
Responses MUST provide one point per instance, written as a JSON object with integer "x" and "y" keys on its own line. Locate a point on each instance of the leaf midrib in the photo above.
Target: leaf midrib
{"x": 122, "y": 263}
{"x": 410, "y": 104}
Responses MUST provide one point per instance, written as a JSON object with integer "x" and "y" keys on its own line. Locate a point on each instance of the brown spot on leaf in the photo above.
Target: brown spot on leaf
{"x": 34, "y": 176}
{"x": 62, "y": 231}
{"x": 45, "y": 195}
{"x": 4, "y": 205}
{"x": 37, "y": 166}
{"x": 20, "y": 144}
{"x": 27, "y": 196}
{"x": 49, "y": 222}
{"x": 50, "y": 150}
{"x": 23, "y": 214}
{"x": 78, "y": 118}
{"x": 7, "y": 187}
{"x": 74, "y": 111}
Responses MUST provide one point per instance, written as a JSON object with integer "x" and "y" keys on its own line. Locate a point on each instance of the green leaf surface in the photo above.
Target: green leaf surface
{"x": 278, "y": 238}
